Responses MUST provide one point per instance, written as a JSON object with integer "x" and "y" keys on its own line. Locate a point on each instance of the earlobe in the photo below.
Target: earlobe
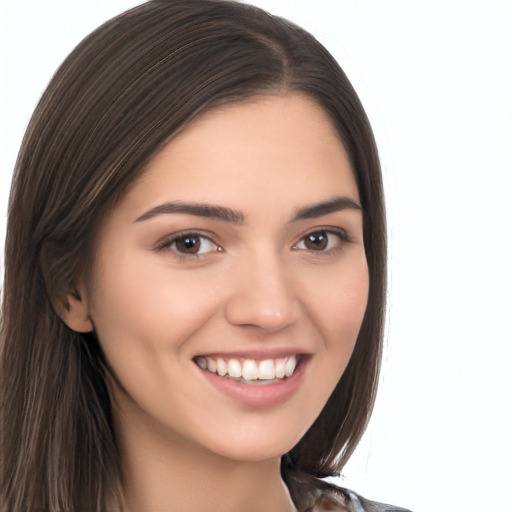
{"x": 75, "y": 313}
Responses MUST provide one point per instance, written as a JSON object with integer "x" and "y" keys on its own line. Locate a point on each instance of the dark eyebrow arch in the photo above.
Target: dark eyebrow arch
{"x": 333, "y": 205}
{"x": 199, "y": 209}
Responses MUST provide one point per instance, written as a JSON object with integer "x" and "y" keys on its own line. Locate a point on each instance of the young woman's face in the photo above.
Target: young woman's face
{"x": 240, "y": 250}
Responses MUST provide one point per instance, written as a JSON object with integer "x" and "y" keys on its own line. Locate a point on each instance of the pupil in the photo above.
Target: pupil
{"x": 188, "y": 244}
{"x": 317, "y": 241}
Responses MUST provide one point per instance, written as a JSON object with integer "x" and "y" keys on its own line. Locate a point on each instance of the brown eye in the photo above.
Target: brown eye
{"x": 317, "y": 241}
{"x": 188, "y": 244}
{"x": 323, "y": 240}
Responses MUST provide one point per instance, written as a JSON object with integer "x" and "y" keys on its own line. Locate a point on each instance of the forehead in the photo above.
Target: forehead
{"x": 253, "y": 153}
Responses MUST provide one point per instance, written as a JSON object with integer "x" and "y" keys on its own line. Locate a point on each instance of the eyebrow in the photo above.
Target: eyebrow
{"x": 333, "y": 205}
{"x": 237, "y": 217}
{"x": 201, "y": 210}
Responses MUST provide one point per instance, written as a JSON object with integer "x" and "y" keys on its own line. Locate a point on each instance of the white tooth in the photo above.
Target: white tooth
{"x": 279, "y": 371}
{"x": 234, "y": 368}
{"x": 250, "y": 370}
{"x": 266, "y": 370}
{"x": 289, "y": 367}
{"x": 222, "y": 369}
{"x": 212, "y": 364}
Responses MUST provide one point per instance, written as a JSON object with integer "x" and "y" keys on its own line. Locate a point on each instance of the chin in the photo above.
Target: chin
{"x": 241, "y": 452}
{"x": 255, "y": 445}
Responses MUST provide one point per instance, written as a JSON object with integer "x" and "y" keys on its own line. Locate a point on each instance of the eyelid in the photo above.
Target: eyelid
{"x": 333, "y": 230}
{"x": 167, "y": 241}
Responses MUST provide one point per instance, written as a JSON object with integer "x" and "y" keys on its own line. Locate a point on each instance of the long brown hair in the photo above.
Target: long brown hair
{"x": 119, "y": 97}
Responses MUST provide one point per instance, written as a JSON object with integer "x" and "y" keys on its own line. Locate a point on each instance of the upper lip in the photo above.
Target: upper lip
{"x": 257, "y": 353}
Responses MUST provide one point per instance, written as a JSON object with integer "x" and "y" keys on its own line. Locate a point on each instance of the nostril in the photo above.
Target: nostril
{"x": 267, "y": 312}
{"x": 263, "y": 294}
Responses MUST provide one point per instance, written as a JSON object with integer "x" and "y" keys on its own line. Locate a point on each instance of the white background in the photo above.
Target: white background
{"x": 436, "y": 80}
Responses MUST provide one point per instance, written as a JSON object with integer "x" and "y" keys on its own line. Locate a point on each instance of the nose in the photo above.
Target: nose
{"x": 263, "y": 295}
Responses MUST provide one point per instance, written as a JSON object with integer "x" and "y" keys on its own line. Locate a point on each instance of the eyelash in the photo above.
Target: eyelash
{"x": 167, "y": 242}
{"x": 339, "y": 233}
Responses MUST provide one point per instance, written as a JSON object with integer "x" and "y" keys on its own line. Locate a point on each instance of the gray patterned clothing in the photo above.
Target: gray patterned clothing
{"x": 343, "y": 500}
{"x": 315, "y": 495}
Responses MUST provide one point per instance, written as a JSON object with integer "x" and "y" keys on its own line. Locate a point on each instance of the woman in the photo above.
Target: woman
{"x": 194, "y": 273}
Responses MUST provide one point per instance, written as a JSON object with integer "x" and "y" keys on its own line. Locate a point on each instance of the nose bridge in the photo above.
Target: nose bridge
{"x": 263, "y": 293}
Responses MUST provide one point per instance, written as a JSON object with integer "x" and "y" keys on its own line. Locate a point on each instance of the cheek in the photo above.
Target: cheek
{"x": 336, "y": 308}
{"x": 150, "y": 302}
{"x": 144, "y": 316}
{"x": 340, "y": 304}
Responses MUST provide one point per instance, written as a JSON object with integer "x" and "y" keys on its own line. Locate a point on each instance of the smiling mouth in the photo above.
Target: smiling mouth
{"x": 251, "y": 371}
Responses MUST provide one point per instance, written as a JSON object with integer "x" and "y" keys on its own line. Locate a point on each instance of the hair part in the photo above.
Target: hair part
{"x": 122, "y": 94}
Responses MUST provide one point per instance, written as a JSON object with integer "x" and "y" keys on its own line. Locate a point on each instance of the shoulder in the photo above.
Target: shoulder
{"x": 314, "y": 495}
{"x": 360, "y": 504}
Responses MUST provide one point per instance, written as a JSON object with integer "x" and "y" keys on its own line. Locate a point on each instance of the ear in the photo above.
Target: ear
{"x": 68, "y": 297}
{"x": 74, "y": 312}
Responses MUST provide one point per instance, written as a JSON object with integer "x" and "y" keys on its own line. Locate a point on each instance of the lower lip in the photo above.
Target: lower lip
{"x": 258, "y": 395}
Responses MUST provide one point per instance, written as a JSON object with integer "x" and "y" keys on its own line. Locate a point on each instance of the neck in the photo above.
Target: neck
{"x": 165, "y": 473}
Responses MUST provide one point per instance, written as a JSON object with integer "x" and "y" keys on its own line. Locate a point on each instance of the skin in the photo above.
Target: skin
{"x": 255, "y": 285}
